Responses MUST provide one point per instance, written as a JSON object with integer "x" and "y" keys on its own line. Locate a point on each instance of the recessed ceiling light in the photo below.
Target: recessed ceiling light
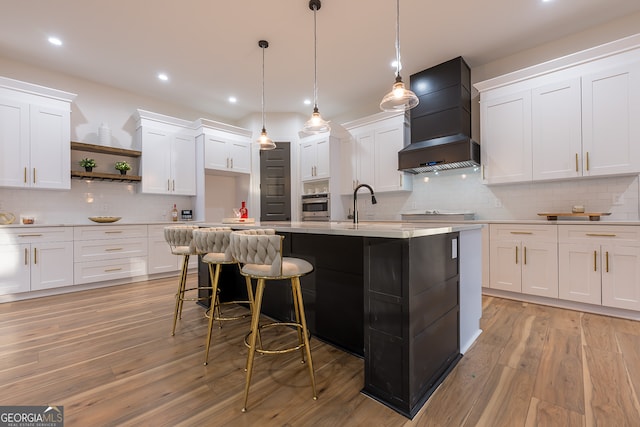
{"x": 163, "y": 77}
{"x": 55, "y": 41}
{"x": 232, "y": 99}
{"x": 307, "y": 102}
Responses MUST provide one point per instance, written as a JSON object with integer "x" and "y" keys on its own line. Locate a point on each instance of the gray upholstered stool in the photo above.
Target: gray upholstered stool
{"x": 260, "y": 253}
{"x": 180, "y": 239}
{"x": 213, "y": 245}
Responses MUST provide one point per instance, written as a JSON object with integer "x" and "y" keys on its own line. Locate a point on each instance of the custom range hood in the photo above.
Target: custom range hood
{"x": 441, "y": 123}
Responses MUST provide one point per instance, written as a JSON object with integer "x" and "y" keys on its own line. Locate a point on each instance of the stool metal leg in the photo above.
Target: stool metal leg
{"x": 181, "y": 287}
{"x": 296, "y": 283}
{"x": 294, "y": 293}
{"x": 214, "y": 291}
{"x": 255, "y": 320}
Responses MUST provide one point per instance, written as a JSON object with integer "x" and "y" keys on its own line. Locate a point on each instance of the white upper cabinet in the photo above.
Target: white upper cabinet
{"x": 226, "y": 148}
{"x": 35, "y": 127}
{"x": 168, "y": 160}
{"x": 573, "y": 117}
{"x": 610, "y": 125}
{"x": 506, "y": 138}
{"x": 556, "y": 127}
{"x": 315, "y": 157}
{"x": 373, "y": 160}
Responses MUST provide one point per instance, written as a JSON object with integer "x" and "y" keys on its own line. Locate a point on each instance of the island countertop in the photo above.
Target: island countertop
{"x": 388, "y": 229}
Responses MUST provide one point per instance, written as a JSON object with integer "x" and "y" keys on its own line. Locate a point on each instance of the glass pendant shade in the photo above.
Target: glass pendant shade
{"x": 399, "y": 99}
{"x": 316, "y": 124}
{"x": 265, "y": 142}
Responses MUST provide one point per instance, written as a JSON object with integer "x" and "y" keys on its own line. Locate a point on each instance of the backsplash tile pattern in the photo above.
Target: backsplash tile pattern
{"x": 463, "y": 190}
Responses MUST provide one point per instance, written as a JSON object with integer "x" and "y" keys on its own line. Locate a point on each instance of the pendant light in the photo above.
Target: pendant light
{"x": 315, "y": 124}
{"x": 400, "y": 98}
{"x": 265, "y": 142}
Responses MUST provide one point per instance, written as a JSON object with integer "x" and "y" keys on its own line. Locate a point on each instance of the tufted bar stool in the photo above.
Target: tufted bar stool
{"x": 180, "y": 239}
{"x": 260, "y": 253}
{"x": 213, "y": 245}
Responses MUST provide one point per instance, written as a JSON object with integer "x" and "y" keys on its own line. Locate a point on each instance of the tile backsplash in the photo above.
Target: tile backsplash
{"x": 463, "y": 190}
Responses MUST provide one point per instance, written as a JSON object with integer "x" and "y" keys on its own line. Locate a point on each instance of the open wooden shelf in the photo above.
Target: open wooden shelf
{"x": 102, "y": 149}
{"x": 99, "y": 176}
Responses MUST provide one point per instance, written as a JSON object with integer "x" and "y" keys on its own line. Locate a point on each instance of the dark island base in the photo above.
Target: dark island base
{"x": 394, "y": 302}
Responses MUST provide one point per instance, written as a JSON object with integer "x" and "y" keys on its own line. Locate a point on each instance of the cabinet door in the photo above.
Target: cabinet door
{"x": 50, "y": 148}
{"x": 556, "y": 127}
{"x": 307, "y": 160}
{"x": 506, "y": 138}
{"x": 240, "y": 154}
{"x": 323, "y": 158}
{"x": 621, "y": 276}
{"x": 505, "y": 260}
{"x": 387, "y": 144}
{"x": 216, "y": 153}
{"x": 611, "y": 130}
{"x": 155, "y": 163}
{"x": 183, "y": 165}
{"x": 579, "y": 273}
{"x": 51, "y": 265}
{"x": 347, "y": 166}
{"x": 161, "y": 260}
{"x": 540, "y": 268}
{"x": 14, "y": 143}
{"x": 365, "y": 159}
{"x": 15, "y": 269}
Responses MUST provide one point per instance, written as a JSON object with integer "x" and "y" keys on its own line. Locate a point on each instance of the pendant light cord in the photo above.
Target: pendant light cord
{"x": 263, "y": 127}
{"x": 315, "y": 60}
{"x": 397, "y": 38}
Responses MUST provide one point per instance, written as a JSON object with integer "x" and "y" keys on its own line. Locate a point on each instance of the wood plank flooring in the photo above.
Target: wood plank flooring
{"x": 108, "y": 357}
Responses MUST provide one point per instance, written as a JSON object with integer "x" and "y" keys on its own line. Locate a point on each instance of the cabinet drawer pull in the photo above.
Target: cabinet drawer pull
{"x": 606, "y": 257}
{"x": 595, "y": 260}
{"x": 524, "y": 255}
{"x": 516, "y": 254}
{"x": 601, "y": 235}
{"x": 113, "y": 232}
{"x": 168, "y": 185}
{"x": 232, "y": 163}
{"x": 174, "y": 185}
{"x": 521, "y": 232}
{"x": 108, "y": 270}
{"x": 26, "y": 256}
{"x": 35, "y": 255}
{"x": 576, "y": 162}
{"x": 587, "y": 161}
{"x": 29, "y": 235}
{"x": 25, "y": 175}
{"x": 113, "y": 249}
{"x": 34, "y": 175}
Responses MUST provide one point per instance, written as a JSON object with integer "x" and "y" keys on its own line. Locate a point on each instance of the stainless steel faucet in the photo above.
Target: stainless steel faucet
{"x": 355, "y": 200}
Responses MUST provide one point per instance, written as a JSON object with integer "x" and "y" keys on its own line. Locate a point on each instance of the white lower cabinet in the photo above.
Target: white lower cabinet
{"x": 161, "y": 260}
{"x": 524, "y": 259}
{"x": 107, "y": 252}
{"x": 600, "y": 265}
{"x": 35, "y": 259}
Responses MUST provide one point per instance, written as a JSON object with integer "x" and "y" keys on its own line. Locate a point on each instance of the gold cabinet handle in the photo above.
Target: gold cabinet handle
{"x": 606, "y": 257}
{"x": 174, "y": 185}
{"x": 516, "y": 254}
{"x": 483, "y": 177}
{"x": 113, "y": 249}
{"x": 26, "y": 256}
{"x": 595, "y": 260}
{"x": 25, "y": 175}
{"x": 168, "y": 185}
{"x": 109, "y": 270}
{"x": 35, "y": 255}
{"x": 521, "y": 232}
{"x": 524, "y": 255}
{"x": 232, "y": 163}
{"x": 587, "y": 160}
{"x": 113, "y": 232}
{"x": 576, "y": 162}
{"x": 601, "y": 235}
{"x": 29, "y": 235}
{"x": 34, "y": 175}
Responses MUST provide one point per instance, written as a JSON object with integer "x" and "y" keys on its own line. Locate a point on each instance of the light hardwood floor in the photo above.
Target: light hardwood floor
{"x": 108, "y": 357}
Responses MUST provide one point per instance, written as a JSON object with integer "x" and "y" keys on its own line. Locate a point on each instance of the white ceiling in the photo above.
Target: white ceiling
{"x": 210, "y": 48}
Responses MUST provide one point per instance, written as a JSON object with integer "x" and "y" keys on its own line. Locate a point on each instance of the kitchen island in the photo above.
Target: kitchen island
{"x": 406, "y": 297}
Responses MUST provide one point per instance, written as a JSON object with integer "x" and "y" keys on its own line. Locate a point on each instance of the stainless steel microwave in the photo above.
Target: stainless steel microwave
{"x": 316, "y": 207}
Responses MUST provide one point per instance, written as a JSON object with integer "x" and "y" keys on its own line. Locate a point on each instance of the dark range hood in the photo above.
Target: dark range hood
{"x": 441, "y": 123}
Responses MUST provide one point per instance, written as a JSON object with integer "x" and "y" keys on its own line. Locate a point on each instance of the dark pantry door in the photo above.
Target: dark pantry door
{"x": 275, "y": 183}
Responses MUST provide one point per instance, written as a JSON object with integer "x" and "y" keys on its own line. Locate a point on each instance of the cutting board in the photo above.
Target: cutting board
{"x": 238, "y": 220}
{"x": 593, "y": 216}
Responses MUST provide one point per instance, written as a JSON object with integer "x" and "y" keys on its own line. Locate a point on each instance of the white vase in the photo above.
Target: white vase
{"x": 104, "y": 135}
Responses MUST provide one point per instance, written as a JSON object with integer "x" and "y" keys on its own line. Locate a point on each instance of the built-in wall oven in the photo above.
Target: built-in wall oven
{"x": 316, "y": 207}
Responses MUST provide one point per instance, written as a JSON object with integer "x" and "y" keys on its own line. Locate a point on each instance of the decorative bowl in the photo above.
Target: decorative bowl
{"x": 7, "y": 218}
{"x": 104, "y": 219}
